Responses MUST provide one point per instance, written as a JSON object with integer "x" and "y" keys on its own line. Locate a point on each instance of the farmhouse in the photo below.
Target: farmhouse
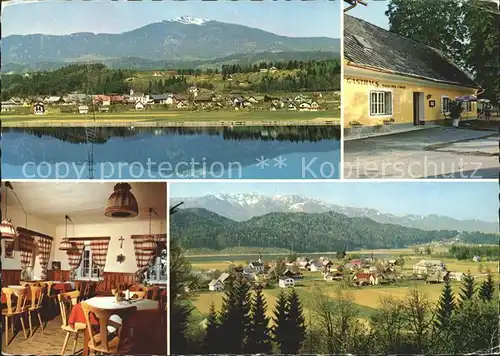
{"x": 139, "y": 106}
{"x": 162, "y": 99}
{"x": 83, "y": 109}
{"x": 285, "y": 282}
{"x": 387, "y": 76}
{"x": 117, "y": 99}
{"x": 103, "y": 100}
{"x": 39, "y": 108}
{"x": 365, "y": 278}
{"x": 428, "y": 266}
{"x": 218, "y": 284}
{"x": 181, "y": 104}
{"x": 8, "y": 105}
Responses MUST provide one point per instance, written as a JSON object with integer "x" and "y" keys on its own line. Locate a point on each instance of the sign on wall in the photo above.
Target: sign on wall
{"x": 374, "y": 83}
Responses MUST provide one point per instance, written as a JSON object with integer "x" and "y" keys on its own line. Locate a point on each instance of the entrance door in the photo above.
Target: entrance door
{"x": 418, "y": 108}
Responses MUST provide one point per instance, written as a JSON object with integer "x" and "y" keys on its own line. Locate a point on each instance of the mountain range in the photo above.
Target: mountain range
{"x": 304, "y": 232}
{"x": 241, "y": 207}
{"x": 181, "y": 39}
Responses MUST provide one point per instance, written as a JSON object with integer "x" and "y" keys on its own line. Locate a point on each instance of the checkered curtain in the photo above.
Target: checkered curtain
{"x": 99, "y": 250}
{"x": 44, "y": 247}
{"x": 145, "y": 258}
{"x": 75, "y": 256}
{"x": 26, "y": 246}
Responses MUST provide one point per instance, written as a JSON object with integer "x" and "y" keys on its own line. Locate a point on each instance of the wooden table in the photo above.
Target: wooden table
{"x": 143, "y": 305}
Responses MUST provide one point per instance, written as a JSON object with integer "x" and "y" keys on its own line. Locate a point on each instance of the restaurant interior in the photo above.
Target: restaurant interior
{"x": 84, "y": 268}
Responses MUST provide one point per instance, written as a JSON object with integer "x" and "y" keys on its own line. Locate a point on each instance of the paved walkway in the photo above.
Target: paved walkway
{"x": 442, "y": 152}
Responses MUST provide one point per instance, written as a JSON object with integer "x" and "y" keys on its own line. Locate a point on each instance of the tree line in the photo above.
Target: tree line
{"x": 463, "y": 252}
{"x": 329, "y": 231}
{"x": 459, "y": 322}
{"x": 466, "y": 30}
{"x": 82, "y": 78}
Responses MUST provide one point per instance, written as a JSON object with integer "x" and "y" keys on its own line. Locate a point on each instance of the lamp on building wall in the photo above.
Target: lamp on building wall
{"x": 7, "y": 228}
{"x": 122, "y": 203}
{"x": 150, "y": 243}
{"x": 429, "y": 96}
{"x": 66, "y": 245}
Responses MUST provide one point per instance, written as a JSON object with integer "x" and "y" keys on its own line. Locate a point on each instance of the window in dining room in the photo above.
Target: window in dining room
{"x": 157, "y": 273}
{"x": 87, "y": 269}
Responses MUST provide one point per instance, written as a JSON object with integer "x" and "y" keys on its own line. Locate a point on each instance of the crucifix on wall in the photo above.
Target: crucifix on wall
{"x": 121, "y": 239}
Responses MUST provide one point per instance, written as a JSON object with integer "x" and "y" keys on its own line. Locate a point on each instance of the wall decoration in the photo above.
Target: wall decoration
{"x": 56, "y": 265}
{"x": 120, "y": 258}
{"x": 432, "y": 103}
{"x": 9, "y": 249}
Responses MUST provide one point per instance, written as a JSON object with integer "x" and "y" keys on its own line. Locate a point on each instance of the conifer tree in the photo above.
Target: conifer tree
{"x": 212, "y": 338}
{"x": 280, "y": 328}
{"x": 258, "y": 340}
{"x": 445, "y": 307}
{"x": 487, "y": 289}
{"x": 468, "y": 288}
{"x": 234, "y": 314}
{"x": 296, "y": 324}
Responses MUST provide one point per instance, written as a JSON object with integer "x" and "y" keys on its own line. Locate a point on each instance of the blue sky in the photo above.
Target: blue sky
{"x": 373, "y": 13}
{"x": 468, "y": 200}
{"x": 296, "y": 19}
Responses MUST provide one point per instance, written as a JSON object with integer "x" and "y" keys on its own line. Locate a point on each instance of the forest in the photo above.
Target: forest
{"x": 323, "y": 75}
{"x": 302, "y": 232}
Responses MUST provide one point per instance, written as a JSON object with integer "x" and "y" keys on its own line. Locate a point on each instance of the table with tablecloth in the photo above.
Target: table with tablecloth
{"x": 146, "y": 318}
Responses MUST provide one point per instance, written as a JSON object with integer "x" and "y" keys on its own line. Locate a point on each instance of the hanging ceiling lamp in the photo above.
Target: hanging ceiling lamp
{"x": 7, "y": 229}
{"x": 150, "y": 243}
{"x": 122, "y": 203}
{"x": 66, "y": 245}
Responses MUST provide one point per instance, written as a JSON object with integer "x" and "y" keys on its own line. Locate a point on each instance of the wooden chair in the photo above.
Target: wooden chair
{"x": 66, "y": 302}
{"x": 36, "y": 306}
{"x": 17, "y": 311}
{"x": 101, "y": 342}
{"x": 51, "y": 297}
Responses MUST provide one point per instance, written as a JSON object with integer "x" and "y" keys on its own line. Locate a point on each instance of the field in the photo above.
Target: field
{"x": 367, "y": 298}
{"x": 177, "y": 118}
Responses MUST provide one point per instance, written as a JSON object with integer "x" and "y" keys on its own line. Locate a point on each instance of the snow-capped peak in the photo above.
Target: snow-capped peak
{"x": 188, "y": 20}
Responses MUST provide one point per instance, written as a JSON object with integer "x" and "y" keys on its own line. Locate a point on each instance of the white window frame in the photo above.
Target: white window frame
{"x": 442, "y": 103}
{"x": 467, "y": 105}
{"x": 80, "y": 270}
{"x": 157, "y": 268}
{"x": 370, "y": 104}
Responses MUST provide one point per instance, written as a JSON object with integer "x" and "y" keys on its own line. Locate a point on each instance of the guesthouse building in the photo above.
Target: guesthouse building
{"x": 394, "y": 82}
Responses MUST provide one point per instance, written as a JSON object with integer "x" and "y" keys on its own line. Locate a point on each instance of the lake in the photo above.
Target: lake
{"x": 290, "y": 152}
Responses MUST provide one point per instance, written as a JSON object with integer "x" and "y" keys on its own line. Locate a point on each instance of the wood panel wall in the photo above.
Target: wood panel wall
{"x": 113, "y": 279}
{"x": 11, "y": 277}
{"x": 61, "y": 275}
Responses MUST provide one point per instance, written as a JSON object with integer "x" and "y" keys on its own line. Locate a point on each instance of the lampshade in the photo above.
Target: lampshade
{"x": 8, "y": 230}
{"x": 65, "y": 245}
{"x": 122, "y": 203}
{"x": 149, "y": 244}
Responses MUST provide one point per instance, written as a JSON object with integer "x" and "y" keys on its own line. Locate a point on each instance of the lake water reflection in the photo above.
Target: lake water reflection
{"x": 291, "y": 152}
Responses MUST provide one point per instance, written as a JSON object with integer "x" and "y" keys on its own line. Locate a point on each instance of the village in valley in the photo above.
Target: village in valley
{"x": 353, "y": 272}
{"x": 293, "y": 90}
{"x": 77, "y": 103}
